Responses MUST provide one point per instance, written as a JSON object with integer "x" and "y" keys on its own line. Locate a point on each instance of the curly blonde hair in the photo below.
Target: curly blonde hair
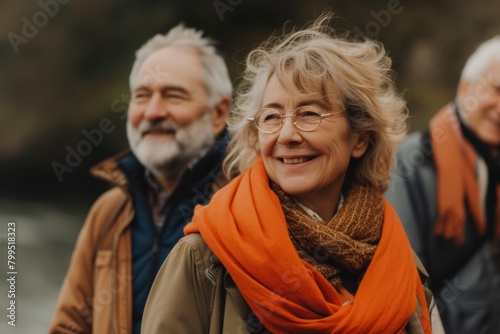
{"x": 354, "y": 76}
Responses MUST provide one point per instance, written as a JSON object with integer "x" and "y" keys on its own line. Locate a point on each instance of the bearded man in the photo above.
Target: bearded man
{"x": 176, "y": 128}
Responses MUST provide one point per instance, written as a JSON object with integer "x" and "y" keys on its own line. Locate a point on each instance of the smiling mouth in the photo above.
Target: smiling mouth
{"x": 296, "y": 160}
{"x": 158, "y": 132}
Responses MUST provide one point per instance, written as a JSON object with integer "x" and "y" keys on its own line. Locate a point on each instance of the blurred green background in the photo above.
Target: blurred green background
{"x": 64, "y": 67}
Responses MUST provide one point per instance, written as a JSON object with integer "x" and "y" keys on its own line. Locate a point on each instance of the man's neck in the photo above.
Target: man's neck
{"x": 168, "y": 181}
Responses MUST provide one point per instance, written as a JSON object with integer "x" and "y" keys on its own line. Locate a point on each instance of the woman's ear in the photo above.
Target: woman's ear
{"x": 360, "y": 146}
{"x": 219, "y": 115}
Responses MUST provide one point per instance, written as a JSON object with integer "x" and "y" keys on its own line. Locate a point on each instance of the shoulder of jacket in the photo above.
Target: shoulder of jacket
{"x": 197, "y": 245}
{"x": 109, "y": 201}
{"x": 113, "y": 195}
{"x": 419, "y": 140}
{"x": 415, "y": 160}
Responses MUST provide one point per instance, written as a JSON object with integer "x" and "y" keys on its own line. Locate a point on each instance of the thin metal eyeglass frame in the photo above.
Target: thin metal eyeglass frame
{"x": 294, "y": 123}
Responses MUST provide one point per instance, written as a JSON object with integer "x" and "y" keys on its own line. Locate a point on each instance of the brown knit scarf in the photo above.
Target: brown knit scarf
{"x": 347, "y": 242}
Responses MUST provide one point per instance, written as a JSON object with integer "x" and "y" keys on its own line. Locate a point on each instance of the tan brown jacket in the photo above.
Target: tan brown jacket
{"x": 96, "y": 296}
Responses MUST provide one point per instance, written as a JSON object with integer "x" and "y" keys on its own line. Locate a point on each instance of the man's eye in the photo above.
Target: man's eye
{"x": 139, "y": 96}
{"x": 174, "y": 96}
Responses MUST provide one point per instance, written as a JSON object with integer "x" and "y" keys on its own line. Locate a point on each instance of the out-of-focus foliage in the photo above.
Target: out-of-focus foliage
{"x": 65, "y": 65}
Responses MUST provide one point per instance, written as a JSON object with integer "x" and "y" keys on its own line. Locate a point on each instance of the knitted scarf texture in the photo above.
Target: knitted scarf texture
{"x": 347, "y": 242}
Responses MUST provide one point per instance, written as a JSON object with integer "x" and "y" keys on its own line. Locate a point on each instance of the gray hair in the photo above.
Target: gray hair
{"x": 217, "y": 78}
{"x": 479, "y": 61}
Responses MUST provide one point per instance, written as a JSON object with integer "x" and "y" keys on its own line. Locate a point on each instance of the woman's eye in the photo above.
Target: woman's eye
{"x": 308, "y": 114}
{"x": 272, "y": 117}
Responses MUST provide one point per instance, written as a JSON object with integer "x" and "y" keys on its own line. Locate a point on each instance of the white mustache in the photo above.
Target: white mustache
{"x": 147, "y": 126}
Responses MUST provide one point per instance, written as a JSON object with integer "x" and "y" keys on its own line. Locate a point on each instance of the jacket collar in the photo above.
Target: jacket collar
{"x": 109, "y": 171}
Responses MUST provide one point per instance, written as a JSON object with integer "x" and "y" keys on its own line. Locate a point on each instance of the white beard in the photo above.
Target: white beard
{"x": 174, "y": 154}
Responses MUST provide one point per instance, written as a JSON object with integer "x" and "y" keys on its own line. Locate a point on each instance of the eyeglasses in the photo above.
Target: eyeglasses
{"x": 305, "y": 118}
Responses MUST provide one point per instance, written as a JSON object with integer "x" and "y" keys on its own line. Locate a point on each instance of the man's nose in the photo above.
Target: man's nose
{"x": 156, "y": 108}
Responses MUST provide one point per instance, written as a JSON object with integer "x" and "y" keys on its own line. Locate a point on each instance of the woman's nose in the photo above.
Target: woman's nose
{"x": 289, "y": 133}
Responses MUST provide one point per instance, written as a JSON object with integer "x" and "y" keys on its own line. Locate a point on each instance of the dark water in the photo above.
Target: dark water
{"x": 45, "y": 237}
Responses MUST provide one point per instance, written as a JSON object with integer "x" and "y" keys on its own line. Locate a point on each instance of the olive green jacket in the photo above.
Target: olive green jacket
{"x": 213, "y": 305}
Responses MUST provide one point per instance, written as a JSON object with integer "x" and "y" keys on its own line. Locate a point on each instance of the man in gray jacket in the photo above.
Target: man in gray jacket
{"x": 446, "y": 190}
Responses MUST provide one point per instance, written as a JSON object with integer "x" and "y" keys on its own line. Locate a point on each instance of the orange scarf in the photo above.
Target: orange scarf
{"x": 455, "y": 160}
{"x": 245, "y": 227}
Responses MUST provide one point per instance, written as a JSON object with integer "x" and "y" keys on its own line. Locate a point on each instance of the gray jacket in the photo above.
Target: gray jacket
{"x": 465, "y": 279}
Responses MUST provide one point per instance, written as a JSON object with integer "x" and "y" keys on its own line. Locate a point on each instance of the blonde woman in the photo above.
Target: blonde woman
{"x": 302, "y": 240}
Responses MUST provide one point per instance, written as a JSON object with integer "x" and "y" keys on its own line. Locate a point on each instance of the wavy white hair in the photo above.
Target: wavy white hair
{"x": 216, "y": 74}
{"x": 479, "y": 61}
